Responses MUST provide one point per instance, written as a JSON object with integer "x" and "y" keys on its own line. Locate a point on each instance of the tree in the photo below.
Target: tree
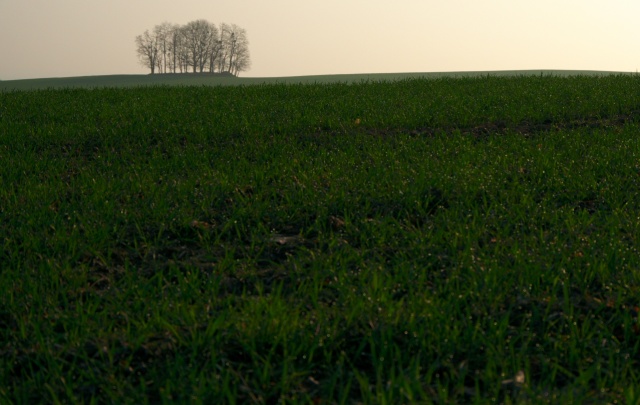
{"x": 235, "y": 55}
{"x": 241, "y": 59}
{"x": 164, "y": 35}
{"x": 174, "y": 47}
{"x": 181, "y": 52}
{"x": 147, "y": 49}
{"x": 197, "y": 46}
{"x": 210, "y": 48}
{"x": 214, "y": 54}
{"x": 199, "y": 36}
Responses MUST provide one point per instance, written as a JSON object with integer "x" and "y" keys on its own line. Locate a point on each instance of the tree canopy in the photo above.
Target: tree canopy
{"x": 198, "y": 46}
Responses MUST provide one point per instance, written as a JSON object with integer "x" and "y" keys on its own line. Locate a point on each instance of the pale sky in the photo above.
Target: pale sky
{"x": 58, "y": 38}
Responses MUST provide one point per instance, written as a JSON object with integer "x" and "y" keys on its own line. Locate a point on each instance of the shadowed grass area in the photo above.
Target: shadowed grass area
{"x": 189, "y": 79}
{"x": 445, "y": 240}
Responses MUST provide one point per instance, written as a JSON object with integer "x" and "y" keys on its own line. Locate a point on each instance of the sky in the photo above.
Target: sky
{"x": 62, "y": 38}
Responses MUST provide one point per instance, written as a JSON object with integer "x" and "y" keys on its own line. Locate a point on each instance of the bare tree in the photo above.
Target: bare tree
{"x": 235, "y": 49}
{"x": 180, "y": 51}
{"x": 198, "y": 39}
{"x": 196, "y": 46}
{"x": 215, "y": 54}
{"x": 147, "y": 50}
{"x": 238, "y": 50}
{"x": 242, "y": 60}
{"x": 225, "y": 40}
{"x": 163, "y": 34}
{"x": 210, "y": 48}
{"x": 213, "y": 48}
{"x": 173, "y": 38}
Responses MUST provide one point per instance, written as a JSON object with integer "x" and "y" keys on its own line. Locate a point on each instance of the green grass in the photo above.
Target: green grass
{"x": 415, "y": 241}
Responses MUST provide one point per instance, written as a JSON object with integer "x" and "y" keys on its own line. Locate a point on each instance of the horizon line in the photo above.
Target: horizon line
{"x": 186, "y": 74}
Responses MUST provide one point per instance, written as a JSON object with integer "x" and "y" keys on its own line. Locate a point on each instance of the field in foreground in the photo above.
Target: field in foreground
{"x": 448, "y": 240}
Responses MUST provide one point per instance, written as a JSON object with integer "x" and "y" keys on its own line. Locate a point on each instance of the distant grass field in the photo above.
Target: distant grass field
{"x": 120, "y": 81}
{"x": 443, "y": 240}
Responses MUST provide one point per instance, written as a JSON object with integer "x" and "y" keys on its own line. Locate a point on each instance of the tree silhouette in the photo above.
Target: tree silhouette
{"x": 198, "y": 47}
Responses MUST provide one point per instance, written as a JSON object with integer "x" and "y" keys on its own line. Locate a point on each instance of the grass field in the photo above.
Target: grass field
{"x": 128, "y": 81}
{"x": 443, "y": 240}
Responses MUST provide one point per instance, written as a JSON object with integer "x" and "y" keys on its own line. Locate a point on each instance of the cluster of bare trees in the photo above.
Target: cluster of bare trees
{"x": 198, "y": 46}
